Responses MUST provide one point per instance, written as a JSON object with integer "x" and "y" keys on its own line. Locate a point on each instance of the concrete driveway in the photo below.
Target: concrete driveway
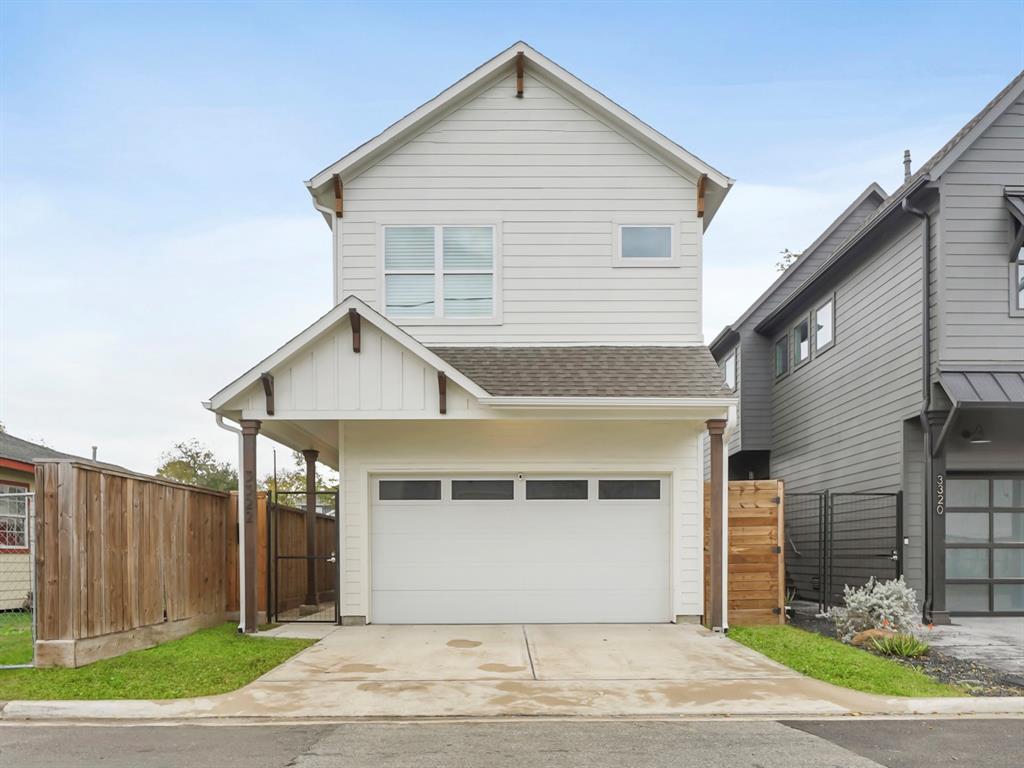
{"x": 510, "y": 670}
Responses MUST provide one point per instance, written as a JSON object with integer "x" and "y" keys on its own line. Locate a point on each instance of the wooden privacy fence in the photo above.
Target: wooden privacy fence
{"x": 123, "y": 561}
{"x": 757, "y": 589}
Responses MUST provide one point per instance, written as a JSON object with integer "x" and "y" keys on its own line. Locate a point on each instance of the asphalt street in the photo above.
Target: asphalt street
{"x": 844, "y": 743}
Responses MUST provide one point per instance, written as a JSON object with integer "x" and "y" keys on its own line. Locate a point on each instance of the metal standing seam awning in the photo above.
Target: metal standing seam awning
{"x": 979, "y": 389}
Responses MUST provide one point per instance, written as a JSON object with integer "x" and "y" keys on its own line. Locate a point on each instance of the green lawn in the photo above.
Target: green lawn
{"x": 210, "y": 661}
{"x": 825, "y": 659}
{"x": 15, "y": 638}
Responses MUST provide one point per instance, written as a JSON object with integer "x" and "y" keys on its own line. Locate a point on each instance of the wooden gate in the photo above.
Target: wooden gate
{"x": 757, "y": 583}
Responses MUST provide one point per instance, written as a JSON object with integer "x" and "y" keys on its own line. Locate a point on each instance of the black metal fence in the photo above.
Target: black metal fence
{"x": 839, "y": 539}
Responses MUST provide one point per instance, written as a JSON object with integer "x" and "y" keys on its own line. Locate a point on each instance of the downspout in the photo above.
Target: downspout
{"x": 332, "y": 217}
{"x": 240, "y": 528}
{"x": 926, "y": 400}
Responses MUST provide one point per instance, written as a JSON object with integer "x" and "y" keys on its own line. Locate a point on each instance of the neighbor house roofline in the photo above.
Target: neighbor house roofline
{"x": 722, "y": 340}
{"x": 935, "y": 166}
{"x": 604, "y": 108}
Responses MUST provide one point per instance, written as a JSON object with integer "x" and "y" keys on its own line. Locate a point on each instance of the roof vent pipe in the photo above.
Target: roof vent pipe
{"x": 906, "y": 165}
{"x": 94, "y": 453}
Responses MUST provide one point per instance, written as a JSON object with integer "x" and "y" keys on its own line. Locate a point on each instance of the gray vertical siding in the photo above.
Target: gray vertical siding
{"x": 837, "y": 420}
{"x": 977, "y": 329}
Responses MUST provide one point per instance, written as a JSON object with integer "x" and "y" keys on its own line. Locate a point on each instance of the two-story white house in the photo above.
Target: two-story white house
{"x": 513, "y": 382}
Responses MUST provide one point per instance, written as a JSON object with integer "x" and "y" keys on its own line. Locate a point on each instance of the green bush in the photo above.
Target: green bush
{"x": 904, "y": 645}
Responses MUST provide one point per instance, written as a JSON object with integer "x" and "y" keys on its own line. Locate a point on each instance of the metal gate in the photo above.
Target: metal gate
{"x": 839, "y": 539}
{"x": 303, "y": 564}
{"x": 17, "y": 577}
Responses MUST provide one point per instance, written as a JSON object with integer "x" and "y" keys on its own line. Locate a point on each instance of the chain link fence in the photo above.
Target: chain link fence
{"x": 17, "y": 590}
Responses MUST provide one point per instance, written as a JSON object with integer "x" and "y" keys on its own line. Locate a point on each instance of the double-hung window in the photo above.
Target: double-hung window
{"x": 436, "y": 272}
{"x": 14, "y": 506}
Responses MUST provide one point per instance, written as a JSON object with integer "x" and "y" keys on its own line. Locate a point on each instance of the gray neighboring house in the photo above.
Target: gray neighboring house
{"x": 845, "y": 383}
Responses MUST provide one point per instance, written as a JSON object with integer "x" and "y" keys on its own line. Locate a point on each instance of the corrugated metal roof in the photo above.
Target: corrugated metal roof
{"x": 984, "y": 387}
{"x": 590, "y": 371}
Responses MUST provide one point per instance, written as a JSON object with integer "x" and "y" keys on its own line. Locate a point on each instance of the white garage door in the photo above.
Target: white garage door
{"x": 456, "y": 550}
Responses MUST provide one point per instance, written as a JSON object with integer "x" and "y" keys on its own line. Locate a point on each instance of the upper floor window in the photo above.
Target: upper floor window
{"x": 439, "y": 271}
{"x": 1017, "y": 282}
{"x": 824, "y": 325}
{"x": 782, "y": 356}
{"x": 802, "y": 342}
{"x": 729, "y": 367}
{"x": 643, "y": 245}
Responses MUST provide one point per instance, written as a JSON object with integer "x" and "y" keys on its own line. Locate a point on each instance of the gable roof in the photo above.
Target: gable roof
{"x": 16, "y": 449}
{"x": 930, "y": 171}
{"x": 489, "y": 72}
{"x": 731, "y": 331}
{"x": 648, "y": 372}
{"x": 321, "y": 326}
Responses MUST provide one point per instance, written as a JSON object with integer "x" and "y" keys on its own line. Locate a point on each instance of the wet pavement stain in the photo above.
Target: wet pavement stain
{"x": 398, "y": 687}
{"x": 464, "y": 643}
{"x": 500, "y": 668}
{"x": 521, "y": 693}
{"x": 361, "y": 668}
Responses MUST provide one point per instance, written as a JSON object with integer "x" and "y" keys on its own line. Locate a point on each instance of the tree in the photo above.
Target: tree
{"x": 192, "y": 462}
{"x": 294, "y": 479}
{"x": 786, "y": 259}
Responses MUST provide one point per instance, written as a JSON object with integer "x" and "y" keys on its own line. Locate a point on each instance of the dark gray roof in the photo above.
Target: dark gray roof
{"x": 984, "y": 387}
{"x": 15, "y": 448}
{"x": 589, "y": 371}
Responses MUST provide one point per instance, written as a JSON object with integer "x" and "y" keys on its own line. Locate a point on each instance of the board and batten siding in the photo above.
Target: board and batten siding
{"x": 977, "y": 329}
{"x": 554, "y": 179}
{"x": 445, "y": 448}
{"x": 755, "y": 410}
{"x": 838, "y": 419}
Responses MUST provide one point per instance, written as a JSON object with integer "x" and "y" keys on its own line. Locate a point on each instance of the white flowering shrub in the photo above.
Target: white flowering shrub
{"x": 877, "y": 605}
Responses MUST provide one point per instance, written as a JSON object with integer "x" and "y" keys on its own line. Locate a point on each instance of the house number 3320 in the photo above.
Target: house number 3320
{"x": 940, "y": 494}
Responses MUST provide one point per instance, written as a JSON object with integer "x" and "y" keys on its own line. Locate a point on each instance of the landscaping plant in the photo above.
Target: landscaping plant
{"x": 888, "y": 605}
{"x": 904, "y": 645}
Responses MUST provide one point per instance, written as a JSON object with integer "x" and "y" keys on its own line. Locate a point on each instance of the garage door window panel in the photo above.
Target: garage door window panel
{"x": 556, "y": 490}
{"x": 410, "y": 490}
{"x": 628, "y": 489}
{"x": 483, "y": 490}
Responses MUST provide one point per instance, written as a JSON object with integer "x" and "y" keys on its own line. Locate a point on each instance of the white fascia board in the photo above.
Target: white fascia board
{"x": 416, "y": 120}
{"x": 610, "y": 402}
{"x": 324, "y": 324}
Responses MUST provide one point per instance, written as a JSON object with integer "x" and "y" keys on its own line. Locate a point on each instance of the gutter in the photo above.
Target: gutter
{"x": 926, "y": 401}
{"x": 241, "y": 506}
{"x": 608, "y": 402}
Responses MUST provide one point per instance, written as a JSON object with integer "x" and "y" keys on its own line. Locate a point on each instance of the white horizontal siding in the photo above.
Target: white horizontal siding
{"x": 555, "y": 178}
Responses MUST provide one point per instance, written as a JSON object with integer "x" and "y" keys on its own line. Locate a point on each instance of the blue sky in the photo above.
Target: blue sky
{"x": 152, "y": 158}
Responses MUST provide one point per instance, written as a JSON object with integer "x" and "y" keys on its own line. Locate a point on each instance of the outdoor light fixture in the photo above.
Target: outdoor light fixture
{"x": 976, "y": 437}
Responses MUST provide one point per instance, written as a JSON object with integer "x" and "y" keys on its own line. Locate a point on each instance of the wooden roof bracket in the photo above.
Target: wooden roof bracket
{"x": 442, "y": 392}
{"x": 520, "y": 66}
{"x": 356, "y": 321}
{"x": 701, "y": 184}
{"x": 268, "y": 390}
{"x": 339, "y": 196}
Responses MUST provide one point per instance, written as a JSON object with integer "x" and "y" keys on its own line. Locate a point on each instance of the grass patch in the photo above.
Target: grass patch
{"x": 15, "y": 638}
{"x": 209, "y": 661}
{"x": 826, "y": 659}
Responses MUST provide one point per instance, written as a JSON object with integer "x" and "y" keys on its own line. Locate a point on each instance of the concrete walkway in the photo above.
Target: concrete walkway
{"x": 507, "y": 671}
{"x": 996, "y": 642}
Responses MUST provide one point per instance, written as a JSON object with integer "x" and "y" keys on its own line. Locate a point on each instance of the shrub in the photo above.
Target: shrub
{"x": 903, "y": 645}
{"x": 877, "y": 605}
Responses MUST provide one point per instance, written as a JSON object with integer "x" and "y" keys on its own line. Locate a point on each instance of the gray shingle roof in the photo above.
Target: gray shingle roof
{"x": 984, "y": 387}
{"x": 15, "y": 448}
{"x": 589, "y": 371}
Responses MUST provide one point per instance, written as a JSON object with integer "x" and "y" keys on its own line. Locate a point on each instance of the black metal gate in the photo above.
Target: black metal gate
{"x": 303, "y": 574}
{"x": 839, "y": 539}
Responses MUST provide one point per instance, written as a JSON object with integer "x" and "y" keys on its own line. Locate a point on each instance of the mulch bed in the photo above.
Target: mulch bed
{"x": 977, "y": 679}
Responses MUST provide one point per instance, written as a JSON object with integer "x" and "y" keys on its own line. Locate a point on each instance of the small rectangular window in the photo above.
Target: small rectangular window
{"x": 782, "y": 356}
{"x": 730, "y": 371}
{"x": 1020, "y": 279}
{"x": 482, "y": 490}
{"x": 824, "y": 322}
{"x": 556, "y": 489}
{"x": 645, "y": 242}
{"x": 629, "y": 489}
{"x": 410, "y": 490}
{"x": 801, "y": 342}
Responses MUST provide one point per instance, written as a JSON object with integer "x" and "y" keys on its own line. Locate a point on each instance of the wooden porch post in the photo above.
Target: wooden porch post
{"x": 250, "y": 429}
{"x": 311, "y": 593}
{"x": 716, "y": 427}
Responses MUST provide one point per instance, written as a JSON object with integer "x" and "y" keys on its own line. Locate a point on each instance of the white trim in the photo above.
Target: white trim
{"x": 609, "y": 402}
{"x": 672, "y": 260}
{"x": 324, "y": 324}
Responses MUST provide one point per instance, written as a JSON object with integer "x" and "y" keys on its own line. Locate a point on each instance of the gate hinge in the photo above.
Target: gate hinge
{"x": 776, "y": 611}
{"x": 776, "y": 500}
{"x": 777, "y": 549}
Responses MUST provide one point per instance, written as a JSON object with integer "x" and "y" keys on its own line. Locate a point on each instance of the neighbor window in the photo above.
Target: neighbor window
{"x": 729, "y": 366}
{"x": 801, "y": 342}
{"x": 439, "y": 271}
{"x": 782, "y": 356}
{"x": 643, "y": 242}
{"x": 14, "y": 503}
{"x": 824, "y": 325}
